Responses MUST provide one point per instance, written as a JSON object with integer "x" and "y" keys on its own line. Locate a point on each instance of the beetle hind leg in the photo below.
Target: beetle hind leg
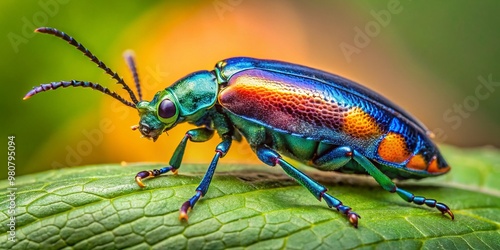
{"x": 272, "y": 158}
{"x": 388, "y": 185}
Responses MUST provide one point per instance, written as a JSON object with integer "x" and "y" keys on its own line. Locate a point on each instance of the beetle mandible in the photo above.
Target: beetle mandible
{"x": 317, "y": 118}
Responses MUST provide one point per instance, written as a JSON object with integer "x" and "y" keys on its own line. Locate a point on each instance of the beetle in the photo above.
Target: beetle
{"x": 319, "y": 119}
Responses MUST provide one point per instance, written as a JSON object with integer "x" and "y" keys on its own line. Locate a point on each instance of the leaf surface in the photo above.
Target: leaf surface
{"x": 253, "y": 207}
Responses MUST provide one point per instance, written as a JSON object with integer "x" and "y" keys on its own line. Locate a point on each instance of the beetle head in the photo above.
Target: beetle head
{"x": 186, "y": 100}
{"x": 158, "y": 115}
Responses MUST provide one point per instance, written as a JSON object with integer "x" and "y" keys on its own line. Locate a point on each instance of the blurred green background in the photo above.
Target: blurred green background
{"x": 438, "y": 60}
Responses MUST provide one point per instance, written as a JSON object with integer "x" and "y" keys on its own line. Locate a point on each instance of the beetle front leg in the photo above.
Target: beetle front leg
{"x": 194, "y": 135}
{"x": 201, "y": 190}
{"x": 388, "y": 185}
{"x": 272, "y": 158}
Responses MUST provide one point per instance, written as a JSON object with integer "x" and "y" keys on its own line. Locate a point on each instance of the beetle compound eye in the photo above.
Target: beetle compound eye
{"x": 166, "y": 109}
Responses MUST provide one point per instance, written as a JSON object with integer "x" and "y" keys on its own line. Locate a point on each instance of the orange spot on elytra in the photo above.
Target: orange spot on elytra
{"x": 417, "y": 162}
{"x": 359, "y": 124}
{"x": 393, "y": 148}
{"x": 434, "y": 167}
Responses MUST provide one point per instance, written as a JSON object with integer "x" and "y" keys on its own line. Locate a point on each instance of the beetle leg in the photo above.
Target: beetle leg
{"x": 388, "y": 185}
{"x": 201, "y": 190}
{"x": 272, "y": 158}
{"x": 194, "y": 135}
{"x": 333, "y": 159}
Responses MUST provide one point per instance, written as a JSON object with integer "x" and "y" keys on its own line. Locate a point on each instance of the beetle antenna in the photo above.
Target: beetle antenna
{"x": 87, "y": 53}
{"x": 74, "y": 83}
{"x": 129, "y": 56}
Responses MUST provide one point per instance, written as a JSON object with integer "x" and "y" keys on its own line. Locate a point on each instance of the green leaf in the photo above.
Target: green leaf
{"x": 251, "y": 206}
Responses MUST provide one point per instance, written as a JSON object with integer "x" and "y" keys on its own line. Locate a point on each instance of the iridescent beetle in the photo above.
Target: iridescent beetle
{"x": 320, "y": 119}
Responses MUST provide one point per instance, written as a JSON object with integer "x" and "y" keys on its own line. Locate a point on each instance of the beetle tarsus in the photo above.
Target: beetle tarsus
{"x": 352, "y": 216}
{"x": 353, "y": 219}
{"x": 184, "y": 210}
{"x": 337, "y": 204}
{"x": 151, "y": 174}
{"x": 445, "y": 209}
{"x": 139, "y": 182}
{"x": 188, "y": 205}
{"x": 141, "y": 176}
{"x": 420, "y": 200}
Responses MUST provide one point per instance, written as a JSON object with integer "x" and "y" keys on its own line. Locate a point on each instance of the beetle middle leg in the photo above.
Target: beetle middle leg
{"x": 272, "y": 158}
{"x": 194, "y": 135}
